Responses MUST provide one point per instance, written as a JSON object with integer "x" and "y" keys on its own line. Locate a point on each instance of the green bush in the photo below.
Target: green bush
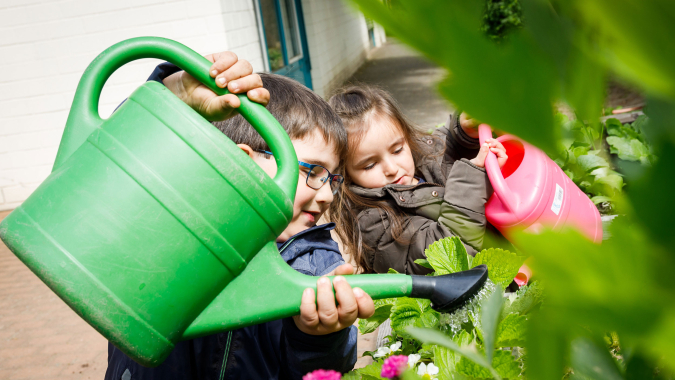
{"x": 565, "y": 51}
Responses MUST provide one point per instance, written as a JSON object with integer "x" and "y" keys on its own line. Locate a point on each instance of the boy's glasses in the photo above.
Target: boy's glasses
{"x": 316, "y": 175}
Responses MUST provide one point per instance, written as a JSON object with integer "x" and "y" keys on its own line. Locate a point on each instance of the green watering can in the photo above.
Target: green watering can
{"x": 155, "y": 227}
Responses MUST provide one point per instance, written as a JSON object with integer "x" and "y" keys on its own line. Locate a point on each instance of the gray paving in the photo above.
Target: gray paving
{"x": 411, "y": 79}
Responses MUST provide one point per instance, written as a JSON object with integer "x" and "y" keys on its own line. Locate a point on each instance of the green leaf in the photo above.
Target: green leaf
{"x": 506, "y": 365}
{"x": 490, "y": 93}
{"x": 600, "y": 199}
{"x": 591, "y": 162}
{"x": 631, "y": 35}
{"x": 624, "y": 148}
{"x": 436, "y": 337}
{"x": 511, "y": 331}
{"x": 610, "y": 185}
{"x": 412, "y": 312}
{"x": 369, "y": 372}
{"x": 447, "y": 256}
{"x": 592, "y": 361}
{"x": 491, "y": 309}
{"x": 526, "y": 299}
{"x": 447, "y": 359}
{"x": 392, "y": 271}
{"x": 502, "y": 265}
{"x": 382, "y": 312}
{"x": 423, "y": 263}
{"x": 473, "y": 370}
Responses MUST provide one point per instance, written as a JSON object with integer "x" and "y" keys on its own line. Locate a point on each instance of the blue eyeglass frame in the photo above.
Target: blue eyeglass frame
{"x": 331, "y": 177}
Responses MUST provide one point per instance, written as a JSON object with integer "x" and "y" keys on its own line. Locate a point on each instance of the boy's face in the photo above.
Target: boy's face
{"x": 309, "y": 204}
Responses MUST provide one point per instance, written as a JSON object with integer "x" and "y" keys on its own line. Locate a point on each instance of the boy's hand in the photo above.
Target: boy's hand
{"x": 469, "y": 125}
{"x": 323, "y": 316}
{"x": 493, "y": 146}
{"x": 229, "y": 71}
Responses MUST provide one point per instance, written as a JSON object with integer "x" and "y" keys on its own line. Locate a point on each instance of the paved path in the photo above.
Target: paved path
{"x": 41, "y": 337}
{"x": 410, "y": 79}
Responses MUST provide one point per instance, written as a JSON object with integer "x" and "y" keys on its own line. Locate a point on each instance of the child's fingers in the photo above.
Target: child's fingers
{"x": 365, "y": 302}
{"x": 218, "y": 107}
{"x": 344, "y": 269}
{"x": 308, "y": 314}
{"x": 348, "y": 309}
{"x": 245, "y": 84}
{"x": 259, "y": 95}
{"x": 221, "y": 62}
{"x": 325, "y": 300}
{"x": 482, "y": 154}
{"x": 239, "y": 69}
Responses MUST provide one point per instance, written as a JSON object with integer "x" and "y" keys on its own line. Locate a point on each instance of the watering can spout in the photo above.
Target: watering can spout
{"x": 269, "y": 289}
{"x": 508, "y": 198}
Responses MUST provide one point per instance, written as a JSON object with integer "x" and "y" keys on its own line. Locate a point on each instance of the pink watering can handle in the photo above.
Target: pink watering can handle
{"x": 501, "y": 188}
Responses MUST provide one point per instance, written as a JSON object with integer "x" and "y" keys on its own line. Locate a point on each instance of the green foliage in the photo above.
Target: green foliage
{"x": 511, "y": 332}
{"x": 382, "y": 312}
{"x": 502, "y": 265}
{"x": 481, "y": 335}
{"x": 628, "y": 141}
{"x": 448, "y": 256}
{"x": 500, "y": 17}
{"x": 524, "y": 300}
{"x": 412, "y": 312}
{"x": 564, "y": 52}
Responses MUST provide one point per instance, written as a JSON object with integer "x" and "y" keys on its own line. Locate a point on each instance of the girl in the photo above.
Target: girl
{"x": 404, "y": 189}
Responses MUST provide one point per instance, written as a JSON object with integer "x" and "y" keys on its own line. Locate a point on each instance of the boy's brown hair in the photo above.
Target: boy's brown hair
{"x": 298, "y": 109}
{"x": 358, "y": 106}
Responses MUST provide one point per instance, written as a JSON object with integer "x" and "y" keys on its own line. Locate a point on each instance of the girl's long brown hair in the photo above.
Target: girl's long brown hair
{"x": 357, "y": 106}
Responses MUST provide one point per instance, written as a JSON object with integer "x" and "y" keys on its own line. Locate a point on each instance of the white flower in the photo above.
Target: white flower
{"x": 382, "y": 351}
{"x": 427, "y": 371}
{"x": 395, "y": 347}
{"x": 413, "y": 359}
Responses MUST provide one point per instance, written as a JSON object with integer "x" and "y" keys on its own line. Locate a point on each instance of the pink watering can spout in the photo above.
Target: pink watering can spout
{"x": 508, "y": 198}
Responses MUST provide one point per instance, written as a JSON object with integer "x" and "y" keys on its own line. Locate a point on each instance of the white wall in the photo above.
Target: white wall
{"x": 338, "y": 42}
{"x": 46, "y": 45}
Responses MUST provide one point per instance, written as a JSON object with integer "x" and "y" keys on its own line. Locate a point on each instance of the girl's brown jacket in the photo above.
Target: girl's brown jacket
{"x": 450, "y": 203}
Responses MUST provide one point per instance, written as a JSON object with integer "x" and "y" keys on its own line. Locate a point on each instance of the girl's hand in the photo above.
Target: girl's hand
{"x": 469, "y": 125}
{"x": 229, "y": 71}
{"x": 322, "y": 316}
{"x": 493, "y": 146}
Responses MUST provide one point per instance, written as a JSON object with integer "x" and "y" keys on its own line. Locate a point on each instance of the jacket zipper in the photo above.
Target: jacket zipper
{"x": 229, "y": 333}
{"x": 227, "y": 353}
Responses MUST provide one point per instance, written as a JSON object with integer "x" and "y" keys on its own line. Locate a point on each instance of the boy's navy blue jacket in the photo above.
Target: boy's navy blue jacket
{"x": 272, "y": 350}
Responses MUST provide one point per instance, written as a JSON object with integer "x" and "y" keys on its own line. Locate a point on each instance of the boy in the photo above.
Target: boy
{"x": 322, "y": 336}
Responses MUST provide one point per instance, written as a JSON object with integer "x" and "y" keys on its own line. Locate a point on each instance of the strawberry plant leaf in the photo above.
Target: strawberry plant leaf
{"x": 447, "y": 256}
{"x": 502, "y": 265}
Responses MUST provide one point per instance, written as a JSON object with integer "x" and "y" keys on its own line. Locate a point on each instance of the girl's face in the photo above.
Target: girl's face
{"x": 382, "y": 157}
{"x": 309, "y": 204}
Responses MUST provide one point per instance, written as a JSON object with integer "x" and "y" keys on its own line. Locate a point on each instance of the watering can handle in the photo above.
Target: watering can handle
{"x": 85, "y": 118}
{"x": 501, "y": 188}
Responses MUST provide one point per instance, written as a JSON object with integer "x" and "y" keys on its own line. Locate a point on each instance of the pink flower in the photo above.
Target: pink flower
{"x": 322, "y": 374}
{"x": 394, "y": 366}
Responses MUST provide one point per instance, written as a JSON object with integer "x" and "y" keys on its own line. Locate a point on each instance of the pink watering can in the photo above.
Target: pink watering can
{"x": 531, "y": 192}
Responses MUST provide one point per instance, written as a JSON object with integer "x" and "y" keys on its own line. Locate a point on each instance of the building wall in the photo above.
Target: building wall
{"x": 46, "y": 45}
{"x": 338, "y": 42}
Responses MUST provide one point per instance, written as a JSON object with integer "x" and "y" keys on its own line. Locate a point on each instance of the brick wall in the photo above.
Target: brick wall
{"x": 46, "y": 45}
{"x": 338, "y": 42}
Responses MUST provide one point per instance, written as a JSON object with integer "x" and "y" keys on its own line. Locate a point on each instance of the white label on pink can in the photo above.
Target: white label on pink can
{"x": 557, "y": 200}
